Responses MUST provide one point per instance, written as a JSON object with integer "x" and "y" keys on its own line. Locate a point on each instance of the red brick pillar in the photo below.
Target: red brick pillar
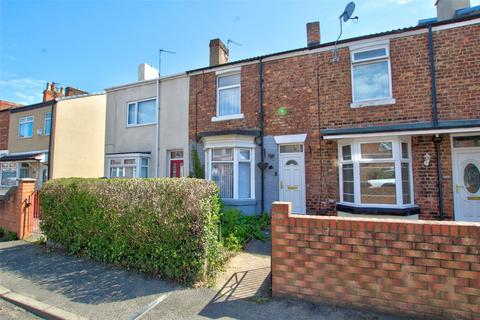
{"x": 280, "y": 212}
{"x": 15, "y": 213}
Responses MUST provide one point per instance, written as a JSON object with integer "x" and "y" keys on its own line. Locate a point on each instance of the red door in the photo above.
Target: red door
{"x": 176, "y": 168}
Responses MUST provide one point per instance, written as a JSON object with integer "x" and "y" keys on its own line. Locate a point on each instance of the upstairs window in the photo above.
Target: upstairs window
{"x": 48, "y": 123}
{"x": 25, "y": 127}
{"x": 228, "y": 95}
{"x": 142, "y": 112}
{"x": 371, "y": 75}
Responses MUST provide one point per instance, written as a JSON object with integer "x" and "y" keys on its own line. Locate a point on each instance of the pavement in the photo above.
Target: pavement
{"x": 9, "y": 311}
{"x": 94, "y": 290}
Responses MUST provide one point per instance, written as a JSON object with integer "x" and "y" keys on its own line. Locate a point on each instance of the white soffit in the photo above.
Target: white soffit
{"x": 291, "y": 138}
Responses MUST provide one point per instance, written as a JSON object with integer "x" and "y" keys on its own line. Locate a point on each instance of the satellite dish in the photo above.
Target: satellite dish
{"x": 347, "y": 13}
{"x": 345, "y": 16}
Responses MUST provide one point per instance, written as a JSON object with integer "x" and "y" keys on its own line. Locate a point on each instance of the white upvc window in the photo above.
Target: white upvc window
{"x": 376, "y": 173}
{"x": 371, "y": 74}
{"x": 8, "y": 173}
{"x": 25, "y": 127}
{"x": 48, "y": 124}
{"x": 142, "y": 112}
{"x": 232, "y": 168}
{"x": 228, "y": 97}
{"x": 128, "y": 167}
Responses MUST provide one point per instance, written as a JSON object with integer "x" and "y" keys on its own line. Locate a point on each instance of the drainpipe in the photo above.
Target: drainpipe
{"x": 262, "y": 132}
{"x": 50, "y": 156}
{"x": 436, "y": 139}
{"x": 157, "y": 134}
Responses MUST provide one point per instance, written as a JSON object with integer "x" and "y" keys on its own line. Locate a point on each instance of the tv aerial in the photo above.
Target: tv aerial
{"x": 234, "y": 42}
{"x": 160, "y": 51}
{"x": 345, "y": 16}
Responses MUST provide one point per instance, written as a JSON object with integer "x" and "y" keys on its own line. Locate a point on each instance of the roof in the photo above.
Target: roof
{"x": 33, "y": 106}
{"x": 327, "y": 44}
{"x": 451, "y": 124}
{"x": 149, "y": 81}
{"x": 22, "y": 157}
{"x": 6, "y": 105}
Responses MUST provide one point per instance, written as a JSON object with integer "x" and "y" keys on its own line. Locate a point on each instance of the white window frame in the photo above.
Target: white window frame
{"x": 122, "y": 157}
{"x": 368, "y": 47}
{"x": 356, "y": 161}
{"x": 26, "y": 119}
{"x": 45, "y": 127}
{"x": 239, "y": 115}
{"x": 136, "y": 102}
{"x": 235, "y": 161}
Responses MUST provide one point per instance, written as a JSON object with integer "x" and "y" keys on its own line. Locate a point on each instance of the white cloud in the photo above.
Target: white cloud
{"x": 22, "y": 90}
{"x": 403, "y": 1}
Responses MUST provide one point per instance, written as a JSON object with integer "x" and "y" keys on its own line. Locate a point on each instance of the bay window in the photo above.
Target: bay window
{"x": 233, "y": 170}
{"x": 376, "y": 173}
{"x": 128, "y": 167}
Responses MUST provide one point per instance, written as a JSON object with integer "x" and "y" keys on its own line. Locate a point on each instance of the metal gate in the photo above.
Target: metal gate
{"x": 34, "y": 206}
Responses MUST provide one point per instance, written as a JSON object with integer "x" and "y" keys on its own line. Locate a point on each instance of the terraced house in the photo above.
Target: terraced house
{"x": 390, "y": 127}
{"x": 63, "y": 136}
{"x": 147, "y": 127}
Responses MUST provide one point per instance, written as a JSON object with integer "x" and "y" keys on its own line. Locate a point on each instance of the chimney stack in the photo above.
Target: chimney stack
{"x": 218, "y": 52}
{"x": 146, "y": 72}
{"x": 51, "y": 92}
{"x": 313, "y": 33}
{"x": 446, "y": 8}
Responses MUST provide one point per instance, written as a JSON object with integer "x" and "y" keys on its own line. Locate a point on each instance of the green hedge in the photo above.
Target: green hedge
{"x": 168, "y": 227}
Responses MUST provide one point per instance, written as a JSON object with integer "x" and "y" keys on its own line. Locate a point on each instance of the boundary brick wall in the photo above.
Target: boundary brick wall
{"x": 15, "y": 214}
{"x": 421, "y": 268}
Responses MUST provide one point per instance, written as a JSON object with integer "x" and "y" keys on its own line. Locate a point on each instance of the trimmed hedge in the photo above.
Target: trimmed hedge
{"x": 168, "y": 227}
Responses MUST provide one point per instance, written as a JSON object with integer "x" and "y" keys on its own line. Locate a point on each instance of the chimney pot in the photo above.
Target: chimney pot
{"x": 446, "y": 8}
{"x": 146, "y": 72}
{"x": 313, "y": 33}
{"x": 218, "y": 52}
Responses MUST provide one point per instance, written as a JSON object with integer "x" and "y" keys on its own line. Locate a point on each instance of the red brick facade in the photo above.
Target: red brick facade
{"x": 422, "y": 268}
{"x": 15, "y": 214}
{"x": 4, "y": 125}
{"x": 317, "y": 94}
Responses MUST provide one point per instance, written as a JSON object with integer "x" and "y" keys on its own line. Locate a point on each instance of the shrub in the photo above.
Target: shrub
{"x": 168, "y": 227}
{"x": 197, "y": 168}
{"x": 238, "y": 229}
{"x": 11, "y": 236}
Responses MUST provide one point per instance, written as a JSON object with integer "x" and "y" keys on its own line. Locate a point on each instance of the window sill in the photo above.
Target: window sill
{"x": 239, "y": 202}
{"x": 378, "y": 211}
{"x": 229, "y": 117}
{"x": 370, "y": 103}
{"x": 141, "y": 125}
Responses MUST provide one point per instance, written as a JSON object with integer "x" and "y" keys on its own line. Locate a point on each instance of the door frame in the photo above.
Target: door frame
{"x": 169, "y": 161}
{"x": 280, "y": 173}
{"x": 456, "y": 211}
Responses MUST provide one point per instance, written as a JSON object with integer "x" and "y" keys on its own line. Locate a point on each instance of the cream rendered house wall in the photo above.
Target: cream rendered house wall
{"x": 38, "y": 142}
{"x": 78, "y": 141}
{"x": 120, "y": 138}
{"x": 174, "y": 99}
{"x": 173, "y": 127}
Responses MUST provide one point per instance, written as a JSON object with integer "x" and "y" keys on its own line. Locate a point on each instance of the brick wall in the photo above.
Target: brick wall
{"x": 421, "y": 268}
{"x": 15, "y": 214}
{"x": 4, "y": 123}
{"x": 317, "y": 95}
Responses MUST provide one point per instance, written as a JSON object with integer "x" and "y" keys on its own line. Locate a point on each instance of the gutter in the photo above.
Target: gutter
{"x": 436, "y": 139}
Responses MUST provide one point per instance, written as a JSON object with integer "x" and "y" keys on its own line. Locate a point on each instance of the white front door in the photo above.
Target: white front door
{"x": 466, "y": 184}
{"x": 292, "y": 180}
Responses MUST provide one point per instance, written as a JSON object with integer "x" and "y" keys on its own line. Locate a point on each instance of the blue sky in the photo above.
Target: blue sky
{"x": 94, "y": 45}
